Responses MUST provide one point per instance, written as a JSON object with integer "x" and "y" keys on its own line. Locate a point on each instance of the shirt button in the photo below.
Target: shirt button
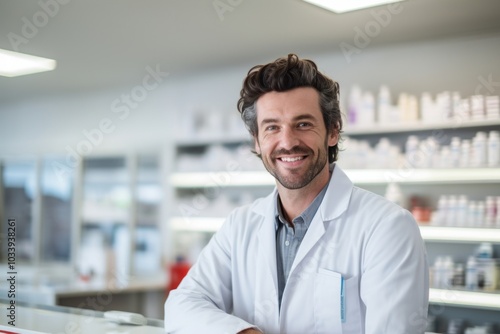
{"x": 287, "y": 243}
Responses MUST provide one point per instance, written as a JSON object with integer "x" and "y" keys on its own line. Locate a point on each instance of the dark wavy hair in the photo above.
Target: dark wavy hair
{"x": 285, "y": 74}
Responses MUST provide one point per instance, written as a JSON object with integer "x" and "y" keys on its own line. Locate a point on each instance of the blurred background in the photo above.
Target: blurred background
{"x": 119, "y": 164}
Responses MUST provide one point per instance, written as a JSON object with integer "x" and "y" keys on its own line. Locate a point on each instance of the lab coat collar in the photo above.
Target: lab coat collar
{"x": 337, "y": 196}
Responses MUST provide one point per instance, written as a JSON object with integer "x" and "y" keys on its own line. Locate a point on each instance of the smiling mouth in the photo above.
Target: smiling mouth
{"x": 290, "y": 159}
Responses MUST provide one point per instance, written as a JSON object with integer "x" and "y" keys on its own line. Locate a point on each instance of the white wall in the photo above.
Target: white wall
{"x": 50, "y": 125}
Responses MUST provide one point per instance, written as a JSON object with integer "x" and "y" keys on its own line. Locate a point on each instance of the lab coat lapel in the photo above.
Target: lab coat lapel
{"x": 266, "y": 292}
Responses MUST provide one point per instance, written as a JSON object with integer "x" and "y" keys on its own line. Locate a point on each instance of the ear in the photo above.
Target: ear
{"x": 256, "y": 145}
{"x": 333, "y": 136}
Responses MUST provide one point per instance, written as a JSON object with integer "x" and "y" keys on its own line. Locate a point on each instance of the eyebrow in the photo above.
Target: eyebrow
{"x": 295, "y": 119}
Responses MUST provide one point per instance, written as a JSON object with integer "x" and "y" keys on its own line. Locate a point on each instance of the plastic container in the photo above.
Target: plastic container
{"x": 487, "y": 271}
{"x": 471, "y": 274}
{"x": 479, "y": 149}
{"x": 412, "y": 152}
{"x": 462, "y": 209}
{"x": 354, "y": 105}
{"x": 491, "y": 212}
{"x": 465, "y": 153}
{"x": 477, "y": 107}
{"x": 366, "y": 114}
{"x": 177, "y": 272}
{"x": 384, "y": 106}
{"x": 438, "y": 272}
{"x": 485, "y": 251}
{"x": 493, "y": 155}
{"x": 455, "y": 151}
{"x": 492, "y": 107}
{"x": 394, "y": 194}
{"x": 427, "y": 108}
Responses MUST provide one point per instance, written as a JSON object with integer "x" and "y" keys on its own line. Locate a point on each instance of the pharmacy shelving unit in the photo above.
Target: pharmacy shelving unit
{"x": 433, "y": 180}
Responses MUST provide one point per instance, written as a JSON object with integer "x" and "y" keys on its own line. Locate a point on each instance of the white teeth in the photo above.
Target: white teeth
{"x": 292, "y": 159}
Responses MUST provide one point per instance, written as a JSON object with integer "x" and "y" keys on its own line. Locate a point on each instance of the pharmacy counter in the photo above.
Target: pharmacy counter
{"x": 145, "y": 295}
{"x": 56, "y": 319}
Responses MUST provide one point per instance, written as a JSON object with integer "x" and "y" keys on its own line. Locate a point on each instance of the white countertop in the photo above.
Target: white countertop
{"x": 48, "y": 293}
{"x": 36, "y": 320}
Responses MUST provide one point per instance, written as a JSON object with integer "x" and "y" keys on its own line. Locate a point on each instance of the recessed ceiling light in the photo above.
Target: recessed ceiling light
{"x": 13, "y": 64}
{"x": 342, "y": 6}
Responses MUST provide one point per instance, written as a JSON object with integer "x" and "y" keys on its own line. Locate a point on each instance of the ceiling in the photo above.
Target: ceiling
{"x": 101, "y": 45}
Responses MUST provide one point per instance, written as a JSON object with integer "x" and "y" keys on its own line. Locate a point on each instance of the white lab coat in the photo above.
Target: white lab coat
{"x": 373, "y": 244}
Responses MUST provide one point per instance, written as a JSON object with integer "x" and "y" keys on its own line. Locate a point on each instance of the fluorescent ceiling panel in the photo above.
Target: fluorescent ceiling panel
{"x": 342, "y": 6}
{"x": 13, "y": 64}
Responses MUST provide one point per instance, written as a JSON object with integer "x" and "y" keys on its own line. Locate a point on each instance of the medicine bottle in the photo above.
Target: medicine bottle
{"x": 471, "y": 274}
{"x": 493, "y": 149}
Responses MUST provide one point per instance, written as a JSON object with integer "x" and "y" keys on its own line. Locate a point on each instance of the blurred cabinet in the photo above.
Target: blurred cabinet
{"x": 19, "y": 202}
{"x": 98, "y": 214}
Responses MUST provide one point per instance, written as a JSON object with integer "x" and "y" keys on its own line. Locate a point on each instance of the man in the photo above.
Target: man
{"x": 318, "y": 255}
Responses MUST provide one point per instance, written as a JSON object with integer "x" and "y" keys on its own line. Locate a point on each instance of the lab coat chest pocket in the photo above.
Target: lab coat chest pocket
{"x": 327, "y": 302}
{"x": 336, "y": 303}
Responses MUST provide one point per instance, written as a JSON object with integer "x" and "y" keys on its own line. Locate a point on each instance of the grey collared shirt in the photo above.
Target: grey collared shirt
{"x": 289, "y": 238}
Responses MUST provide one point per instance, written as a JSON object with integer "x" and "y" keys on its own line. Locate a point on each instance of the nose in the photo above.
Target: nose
{"x": 288, "y": 138}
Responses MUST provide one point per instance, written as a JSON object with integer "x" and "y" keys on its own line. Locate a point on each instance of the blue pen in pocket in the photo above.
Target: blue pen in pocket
{"x": 342, "y": 300}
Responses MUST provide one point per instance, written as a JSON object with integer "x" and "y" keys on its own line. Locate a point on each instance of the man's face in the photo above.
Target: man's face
{"x": 292, "y": 138}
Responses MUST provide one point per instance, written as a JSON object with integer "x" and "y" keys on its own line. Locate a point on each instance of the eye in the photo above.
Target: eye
{"x": 271, "y": 128}
{"x": 304, "y": 125}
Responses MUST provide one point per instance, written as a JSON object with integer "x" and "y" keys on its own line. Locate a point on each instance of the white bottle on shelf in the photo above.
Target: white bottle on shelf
{"x": 477, "y": 107}
{"x": 438, "y": 272}
{"x": 366, "y": 114}
{"x": 479, "y": 149}
{"x": 455, "y": 148}
{"x": 451, "y": 212}
{"x": 448, "y": 269}
{"x": 442, "y": 209}
{"x": 430, "y": 150}
{"x": 384, "y": 106}
{"x": 444, "y": 104}
{"x": 354, "y": 105}
{"x": 445, "y": 157}
{"x": 465, "y": 109}
{"x": 493, "y": 149}
{"x": 462, "y": 209}
{"x": 465, "y": 153}
{"x": 412, "y": 109}
{"x": 403, "y": 106}
{"x": 457, "y": 109}
{"x": 492, "y": 107}
{"x": 480, "y": 214}
{"x": 394, "y": 194}
{"x": 471, "y": 274}
{"x": 497, "y": 212}
{"x": 472, "y": 214}
{"x": 427, "y": 113}
{"x": 491, "y": 210}
{"x": 412, "y": 154}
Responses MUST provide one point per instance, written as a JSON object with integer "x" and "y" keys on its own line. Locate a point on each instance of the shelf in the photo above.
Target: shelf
{"x": 426, "y": 176}
{"x": 212, "y": 140}
{"x": 429, "y": 233}
{"x": 358, "y": 176}
{"x": 460, "y": 234}
{"x": 221, "y": 179}
{"x": 412, "y": 127}
{"x": 461, "y": 298}
{"x": 196, "y": 224}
